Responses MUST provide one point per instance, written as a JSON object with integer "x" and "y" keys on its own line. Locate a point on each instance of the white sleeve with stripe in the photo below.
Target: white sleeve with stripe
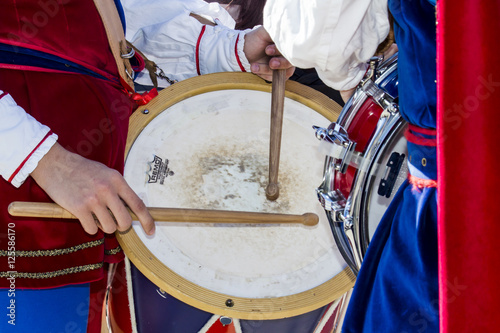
{"x": 179, "y": 44}
{"x": 23, "y": 141}
{"x": 334, "y": 36}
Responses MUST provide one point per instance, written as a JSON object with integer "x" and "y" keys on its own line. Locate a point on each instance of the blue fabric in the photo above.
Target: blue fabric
{"x": 64, "y": 309}
{"x": 416, "y": 166}
{"x": 397, "y": 287}
{"x": 415, "y": 33}
{"x": 121, "y": 13}
{"x": 14, "y": 55}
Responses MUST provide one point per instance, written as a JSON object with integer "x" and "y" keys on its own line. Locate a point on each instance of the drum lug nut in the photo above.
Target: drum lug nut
{"x": 332, "y": 202}
{"x": 229, "y": 303}
{"x": 335, "y": 143}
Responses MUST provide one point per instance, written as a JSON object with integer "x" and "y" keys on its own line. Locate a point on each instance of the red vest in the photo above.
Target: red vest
{"x": 89, "y": 114}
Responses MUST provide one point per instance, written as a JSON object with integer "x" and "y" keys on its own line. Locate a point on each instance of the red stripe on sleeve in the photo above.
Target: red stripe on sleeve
{"x": 198, "y": 49}
{"x": 236, "y": 53}
{"x": 3, "y": 94}
{"x": 28, "y": 157}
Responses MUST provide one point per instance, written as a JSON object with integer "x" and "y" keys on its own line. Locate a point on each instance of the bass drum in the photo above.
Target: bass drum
{"x": 204, "y": 143}
{"x": 366, "y": 160}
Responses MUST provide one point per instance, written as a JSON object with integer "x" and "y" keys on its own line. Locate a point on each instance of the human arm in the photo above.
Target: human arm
{"x": 81, "y": 186}
{"x": 335, "y": 37}
{"x": 184, "y": 47}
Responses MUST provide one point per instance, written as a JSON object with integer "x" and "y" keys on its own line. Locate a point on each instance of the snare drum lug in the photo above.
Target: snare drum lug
{"x": 332, "y": 202}
{"x": 341, "y": 148}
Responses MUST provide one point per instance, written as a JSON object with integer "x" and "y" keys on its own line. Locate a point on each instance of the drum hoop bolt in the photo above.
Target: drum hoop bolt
{"x": 229, "y": 303}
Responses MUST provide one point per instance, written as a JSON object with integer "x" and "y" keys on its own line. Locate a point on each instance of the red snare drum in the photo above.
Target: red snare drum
{"x": 203, "y": 143}
{"x": 366, "y": 160}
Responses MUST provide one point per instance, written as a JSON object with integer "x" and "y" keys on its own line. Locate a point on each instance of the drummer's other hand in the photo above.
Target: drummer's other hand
{"x": 263, "y": 55}
{"x": 87, "y": 188}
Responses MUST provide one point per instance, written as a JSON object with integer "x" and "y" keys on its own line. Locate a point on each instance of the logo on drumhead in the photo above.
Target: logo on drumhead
{"x": 159, "y": 170}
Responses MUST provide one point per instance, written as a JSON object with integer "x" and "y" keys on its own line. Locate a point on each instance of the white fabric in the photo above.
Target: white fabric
{"x": 336, "y": 37}
{"x": 167, "y": 35}
{"x": 20, "y": 134}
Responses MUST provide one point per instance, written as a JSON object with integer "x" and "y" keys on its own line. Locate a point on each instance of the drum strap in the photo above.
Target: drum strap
{"x": 117, "y": 43}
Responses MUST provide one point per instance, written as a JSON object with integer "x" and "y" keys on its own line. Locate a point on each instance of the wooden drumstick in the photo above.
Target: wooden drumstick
{"x": 277, "y": 105}
{"x": 52, "y": 210}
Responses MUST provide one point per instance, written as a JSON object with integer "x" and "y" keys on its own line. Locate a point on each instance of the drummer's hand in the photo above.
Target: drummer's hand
{"x": 263, "y": 55}
{"x": 84, "y": 187}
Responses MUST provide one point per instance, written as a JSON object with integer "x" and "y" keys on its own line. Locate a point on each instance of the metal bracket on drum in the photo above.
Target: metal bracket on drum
{"x": 332, "y": 202}
{"x": 336, "y": 143}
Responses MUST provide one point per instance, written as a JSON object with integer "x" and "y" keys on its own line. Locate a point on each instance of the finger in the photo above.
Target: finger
{"x": 262, "y": 70}
{"x": 123, "y": 219}
{"x": 279, "y": 63}
{"x": 104, "y": 218}
{"x": 88, "y": 223}
{"x": 272, "y": 50}
{"x": 139, "y": 208}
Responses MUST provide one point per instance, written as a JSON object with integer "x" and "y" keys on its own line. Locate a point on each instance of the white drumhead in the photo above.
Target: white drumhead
{"x": 217, "y": 147}
{"x": 209, "y": 149}
{"x": 377, "y": 204}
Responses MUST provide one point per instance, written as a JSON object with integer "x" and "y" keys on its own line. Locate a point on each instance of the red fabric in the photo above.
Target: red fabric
{"x": 118, "y": 302}
{"x": 421, "y": 130}
{"x": 469, "y": 182}
{"x": 144, "y": 98}
{"x": 91, "y": 118}
{"x": 61, "y": 28}
{"x": 410, "y": 137}
{"x": 96, "y": 302}
{"x": 89, "y": 115}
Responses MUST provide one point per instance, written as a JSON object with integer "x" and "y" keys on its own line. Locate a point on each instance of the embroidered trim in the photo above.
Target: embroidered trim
{"x": 53, "y": 253}
{"x": 113, "y": 251}
{"x": 28, "y": 157}
{"x": 198, "y": 50}
{"x": 53, "y": 274}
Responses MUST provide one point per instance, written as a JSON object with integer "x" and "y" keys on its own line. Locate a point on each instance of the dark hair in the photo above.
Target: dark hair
{"x": 250, "y": 12}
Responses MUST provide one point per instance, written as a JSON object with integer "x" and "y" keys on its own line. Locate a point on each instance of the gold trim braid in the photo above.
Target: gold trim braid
{"x": 53, "y": 253}
{"x": 113, "y": 251}
{"x": 48, "y": 275}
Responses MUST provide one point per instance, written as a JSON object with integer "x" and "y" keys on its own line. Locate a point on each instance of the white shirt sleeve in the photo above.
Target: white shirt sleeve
{"x": 178, "y": 43}
{"x": 23, "y": 141}
{"x": 336, "y": 37}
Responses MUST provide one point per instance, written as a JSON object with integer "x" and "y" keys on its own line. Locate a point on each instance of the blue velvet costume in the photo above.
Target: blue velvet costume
{"x": 397, "y": 286}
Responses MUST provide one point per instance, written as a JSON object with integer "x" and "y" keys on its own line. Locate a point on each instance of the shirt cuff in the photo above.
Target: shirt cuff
{"x": 23, "y": 141}
{"x": 31, "y": 162}
{"x": 220, "y": 49}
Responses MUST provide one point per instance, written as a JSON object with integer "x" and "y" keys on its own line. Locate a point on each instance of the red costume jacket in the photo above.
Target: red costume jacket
{"x": 63, "y": 73}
